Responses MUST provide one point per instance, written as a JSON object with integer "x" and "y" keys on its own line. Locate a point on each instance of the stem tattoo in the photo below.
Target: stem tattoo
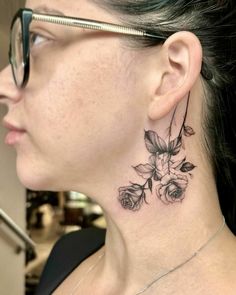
{"x": 170, "y": 176}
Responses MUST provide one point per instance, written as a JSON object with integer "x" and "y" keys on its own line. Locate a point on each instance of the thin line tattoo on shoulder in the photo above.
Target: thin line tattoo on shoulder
{"x": 169, "y": 175}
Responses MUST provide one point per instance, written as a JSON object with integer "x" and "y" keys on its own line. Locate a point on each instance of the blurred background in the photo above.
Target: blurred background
{"x": 31, "y": 222}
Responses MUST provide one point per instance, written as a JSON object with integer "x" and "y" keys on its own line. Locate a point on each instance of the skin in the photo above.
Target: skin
{"x": 85, "y": 119}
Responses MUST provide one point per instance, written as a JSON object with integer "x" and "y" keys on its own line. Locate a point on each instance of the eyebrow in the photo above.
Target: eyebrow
{"x": 48, "y": 10}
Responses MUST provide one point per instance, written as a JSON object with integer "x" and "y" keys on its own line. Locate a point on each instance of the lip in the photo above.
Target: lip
{"x": 12, "y": 127}
{"x": 15, "y": 133}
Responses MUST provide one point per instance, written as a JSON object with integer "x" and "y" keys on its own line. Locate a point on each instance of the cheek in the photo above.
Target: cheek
{"x": 83, "y": 120}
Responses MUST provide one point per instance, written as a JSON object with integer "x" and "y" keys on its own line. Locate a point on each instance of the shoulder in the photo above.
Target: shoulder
{"x": 68, "y": 252}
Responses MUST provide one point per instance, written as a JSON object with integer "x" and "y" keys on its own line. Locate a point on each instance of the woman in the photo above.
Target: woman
{"x": 131, "y": 118}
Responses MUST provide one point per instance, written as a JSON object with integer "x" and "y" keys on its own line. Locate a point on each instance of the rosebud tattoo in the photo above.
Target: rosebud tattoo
{"x": 163, "y": 172}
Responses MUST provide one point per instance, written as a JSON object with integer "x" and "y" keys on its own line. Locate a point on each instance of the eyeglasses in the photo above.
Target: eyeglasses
{"x": 19, "y": 52}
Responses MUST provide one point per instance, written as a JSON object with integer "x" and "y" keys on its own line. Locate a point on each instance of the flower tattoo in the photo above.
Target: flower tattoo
{"x": 172, "y": 188}
{"x": 169, "y": 175}
{"x": 131, "y": 197}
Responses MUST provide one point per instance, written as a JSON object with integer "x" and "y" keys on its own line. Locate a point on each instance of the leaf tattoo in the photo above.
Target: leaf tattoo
{"x": 144, "y": 170}
{"x": 188, "y": 131}
{"x": 171, "y": 175}
{"x": 187, "y": 167}
{"x": 154, "y": 143}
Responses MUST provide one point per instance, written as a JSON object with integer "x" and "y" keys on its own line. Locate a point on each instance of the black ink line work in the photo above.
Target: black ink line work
{"x": 169, "y": 175}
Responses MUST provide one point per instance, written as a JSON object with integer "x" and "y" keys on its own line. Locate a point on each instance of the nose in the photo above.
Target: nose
{"x": 9, "y": 92}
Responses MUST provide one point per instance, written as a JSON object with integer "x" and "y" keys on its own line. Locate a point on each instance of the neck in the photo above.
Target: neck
{"x": 145, "y": 244}
{"x": 160, "y": 226}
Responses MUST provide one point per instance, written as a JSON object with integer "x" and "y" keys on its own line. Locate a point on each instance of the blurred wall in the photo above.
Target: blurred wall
{"x": 12, "y": 194}
{"x": 7, "y": 10}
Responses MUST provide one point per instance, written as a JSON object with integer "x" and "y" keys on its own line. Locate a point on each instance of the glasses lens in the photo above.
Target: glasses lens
{"x": 17, "y": 60}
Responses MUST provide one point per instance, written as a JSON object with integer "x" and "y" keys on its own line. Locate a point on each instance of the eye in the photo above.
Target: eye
{"x": 36, "y": 39}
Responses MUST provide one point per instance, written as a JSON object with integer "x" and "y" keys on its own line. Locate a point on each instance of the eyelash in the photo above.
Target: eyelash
{"x": 34, "y": 36}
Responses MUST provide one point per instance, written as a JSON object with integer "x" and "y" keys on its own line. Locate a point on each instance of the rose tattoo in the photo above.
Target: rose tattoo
{"x": 131, "y": 197}
{"x": 172, "y": 188}
{"x": 170, "y": 176}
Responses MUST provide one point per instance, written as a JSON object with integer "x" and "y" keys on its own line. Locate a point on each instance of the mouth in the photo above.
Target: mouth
{"x": 14, "y": 133}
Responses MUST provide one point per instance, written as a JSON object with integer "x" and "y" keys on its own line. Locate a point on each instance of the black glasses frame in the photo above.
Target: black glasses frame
{"x": 26, "y": 16}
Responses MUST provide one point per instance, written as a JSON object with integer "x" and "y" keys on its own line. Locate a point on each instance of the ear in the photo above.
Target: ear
{"x": 181, "y": 60}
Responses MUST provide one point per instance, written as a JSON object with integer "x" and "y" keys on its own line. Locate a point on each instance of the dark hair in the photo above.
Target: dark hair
{"x": 214, "y": 23}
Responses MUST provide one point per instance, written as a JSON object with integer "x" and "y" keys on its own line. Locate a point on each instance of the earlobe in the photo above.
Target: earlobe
{"x": 182, "y": 53}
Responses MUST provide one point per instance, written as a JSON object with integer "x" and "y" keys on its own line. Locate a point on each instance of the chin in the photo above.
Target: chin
{"x": 36, "y": 180}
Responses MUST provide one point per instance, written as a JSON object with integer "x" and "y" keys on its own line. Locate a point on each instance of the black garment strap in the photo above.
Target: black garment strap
{"x": 68, "y": 252}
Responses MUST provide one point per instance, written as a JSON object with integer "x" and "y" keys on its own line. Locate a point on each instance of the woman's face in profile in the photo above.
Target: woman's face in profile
{"x": 79, "y": 108}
